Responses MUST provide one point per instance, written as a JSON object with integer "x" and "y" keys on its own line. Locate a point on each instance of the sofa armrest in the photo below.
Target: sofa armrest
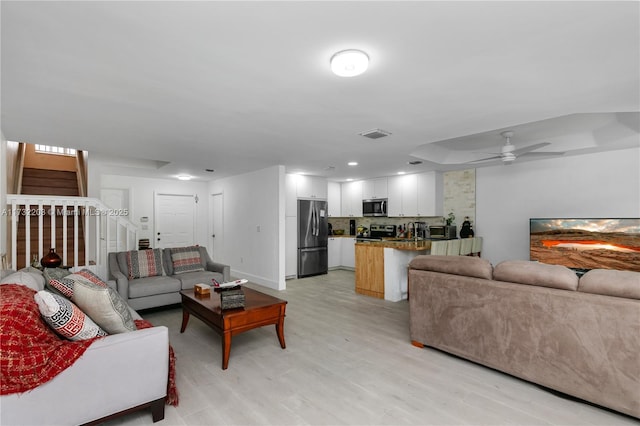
{"x": 122, "y": 282}
{"x": 225, "y": 270}
{"x": 118, "y": 372}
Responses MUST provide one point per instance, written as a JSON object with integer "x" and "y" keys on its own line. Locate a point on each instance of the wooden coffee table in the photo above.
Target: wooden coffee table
{"x": 260, "y": 309}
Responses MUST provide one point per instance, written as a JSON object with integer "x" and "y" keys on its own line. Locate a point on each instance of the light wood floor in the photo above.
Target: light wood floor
{"x": 348, "y": 361}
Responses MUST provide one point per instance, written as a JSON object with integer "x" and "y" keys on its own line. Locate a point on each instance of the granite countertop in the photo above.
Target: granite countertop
{"x": 420, "y": 245}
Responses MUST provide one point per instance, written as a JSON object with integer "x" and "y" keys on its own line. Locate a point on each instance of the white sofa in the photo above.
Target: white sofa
{"x": 117, "y": 374}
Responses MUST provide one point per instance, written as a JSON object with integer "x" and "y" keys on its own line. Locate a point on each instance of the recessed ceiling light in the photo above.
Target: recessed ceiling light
{"x": 349, "y": 180}
{"x": 414, "y": 163}
{"x": 185, "y": 177}
{"x": 209, "y": 170}
{"x": 401, "y": 173}
{"x": 352, "y": 163}
{"x": 349, "y": 63}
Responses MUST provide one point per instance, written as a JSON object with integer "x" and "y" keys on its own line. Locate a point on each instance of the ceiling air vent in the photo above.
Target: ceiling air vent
{"x": 375, "y": 134}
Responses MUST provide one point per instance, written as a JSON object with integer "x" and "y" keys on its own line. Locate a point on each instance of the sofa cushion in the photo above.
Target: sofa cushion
{"x": 611, "y": 283}
{"x": 65, "y": 318}
{"x": 151, "y": 286}
{"x": 457, "y": 265}
{"x": 186, "y": 259}
{"x": 144, "y": 263}
{"x": 29, "y": 279}
{"x": 102, "y": 303}
{"x": 189, "y": 279}
{"x": 536, "y": 273}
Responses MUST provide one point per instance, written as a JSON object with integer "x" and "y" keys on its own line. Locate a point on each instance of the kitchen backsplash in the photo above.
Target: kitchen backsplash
{"x": 343, "y": 222}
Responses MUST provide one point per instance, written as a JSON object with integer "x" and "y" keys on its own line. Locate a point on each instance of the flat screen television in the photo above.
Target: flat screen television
{"x": 586, "y": 243}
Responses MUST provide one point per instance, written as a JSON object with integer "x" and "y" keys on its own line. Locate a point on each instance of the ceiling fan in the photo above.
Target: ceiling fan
{"x": 508, "y": 153}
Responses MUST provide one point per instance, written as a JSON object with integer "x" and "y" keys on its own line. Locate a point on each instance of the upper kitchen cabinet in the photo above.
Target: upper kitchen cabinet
{"x": 311, "y": 187}
{"x": 403, "y": 195}
{"x": 352, "y": 199}
{"x": 430, "y": 194}
{"x": 374, "y": 188}
{"x": 334, "y": 201}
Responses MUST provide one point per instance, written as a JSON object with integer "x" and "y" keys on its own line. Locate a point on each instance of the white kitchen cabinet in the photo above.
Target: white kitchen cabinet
{"x": 334, "y": 252}
{"x": 334, "y": 202}
{"x": 430, "y": 194}
{"x": 291, "y": 198}
{"x": 311, "y": 187}
{"x": 348, "y": 255}
{"x": 291, "y": 247}
{"x": 352, "y": 199}
{"x": 374, "y": 188}
{"x": 403, "y": 196}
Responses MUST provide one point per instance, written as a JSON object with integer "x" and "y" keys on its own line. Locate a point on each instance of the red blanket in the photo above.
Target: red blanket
{"x": 32, "y": 354}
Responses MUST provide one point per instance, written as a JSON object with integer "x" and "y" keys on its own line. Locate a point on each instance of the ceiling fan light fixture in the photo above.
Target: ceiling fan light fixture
{"x": 349, "y": 63}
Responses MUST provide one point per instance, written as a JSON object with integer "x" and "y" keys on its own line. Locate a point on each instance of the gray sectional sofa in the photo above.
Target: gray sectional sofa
{"x": 164, "y": 289}
{"x": 538, "y": 322}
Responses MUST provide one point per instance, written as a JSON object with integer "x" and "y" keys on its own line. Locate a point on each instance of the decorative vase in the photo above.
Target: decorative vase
{"x": 51, "y": 260}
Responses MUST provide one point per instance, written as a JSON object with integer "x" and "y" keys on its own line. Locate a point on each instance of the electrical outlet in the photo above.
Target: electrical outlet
{"x": 241, "y": 260}
{"x": 258, "y": 228}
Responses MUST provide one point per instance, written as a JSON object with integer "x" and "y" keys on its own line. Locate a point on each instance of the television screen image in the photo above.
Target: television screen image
{"x": 586, "y": 243}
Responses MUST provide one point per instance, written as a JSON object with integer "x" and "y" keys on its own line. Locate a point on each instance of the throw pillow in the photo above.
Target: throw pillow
{"x": 102, "y": 303}
{"x": 54, "y": 274}
{"x": 186, "y": 259}
{"x": 66, "y": 318}
{"x": 29, "y": 279}
{"x": 144, "y": 263}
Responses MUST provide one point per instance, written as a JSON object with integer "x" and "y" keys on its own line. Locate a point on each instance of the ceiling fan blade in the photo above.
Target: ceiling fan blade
{"x": 482, "y": 160}
{"x": 525, "y": 149}
{"x": 547, "y": 153}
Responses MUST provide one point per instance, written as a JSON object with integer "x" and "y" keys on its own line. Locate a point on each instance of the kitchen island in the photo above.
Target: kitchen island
{"x": 381, "y": 266}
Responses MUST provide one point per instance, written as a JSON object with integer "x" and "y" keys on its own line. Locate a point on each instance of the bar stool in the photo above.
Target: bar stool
{"x": 439, "y": 248}
{"x": 453, "y": 247}
{"x": 466, "y": 244}
{"x": 477, "y": 246}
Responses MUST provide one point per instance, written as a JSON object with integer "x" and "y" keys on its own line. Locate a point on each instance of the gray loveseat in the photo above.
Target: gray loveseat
{"x": 164, "y": 288}
{"x": 535, "y": 321}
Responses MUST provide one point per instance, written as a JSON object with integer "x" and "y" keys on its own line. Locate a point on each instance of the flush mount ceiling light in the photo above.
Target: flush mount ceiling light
{"x": 352, "y": 163}
{"x": 185, "y": 177}
{"x": 349, "y": 63}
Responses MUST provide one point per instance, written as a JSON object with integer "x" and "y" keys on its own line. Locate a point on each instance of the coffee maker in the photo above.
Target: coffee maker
{"x": 421, "y": 229}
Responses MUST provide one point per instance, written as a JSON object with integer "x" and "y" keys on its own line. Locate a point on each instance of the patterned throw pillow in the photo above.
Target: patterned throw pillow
{"x": 186, "y": 259}
{"x": 66, "y": 318}
{"x": 144, "y": 263}
{"x": 54, "y": 274}
{"x": 102, "y": 303}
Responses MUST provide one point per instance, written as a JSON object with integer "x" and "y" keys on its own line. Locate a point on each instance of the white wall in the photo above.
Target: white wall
{"x": 3, "y": 193}
{"x": 142, "y": 194}
{"x": 254, "y": 214}
{"x": 592, "y": 185}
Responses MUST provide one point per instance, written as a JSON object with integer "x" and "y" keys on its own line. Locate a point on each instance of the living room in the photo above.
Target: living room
{"x": 598, "y": 177}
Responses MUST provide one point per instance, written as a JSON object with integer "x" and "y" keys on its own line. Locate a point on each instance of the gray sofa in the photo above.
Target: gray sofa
{"x": 538, "y": 322}
{"x": 161, "y": 290}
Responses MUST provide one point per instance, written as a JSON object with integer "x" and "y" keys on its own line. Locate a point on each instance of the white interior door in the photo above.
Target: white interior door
{"x": 216, "y": 239}
{"x": 174, "y": 220}
{"x": 117, "y": 199}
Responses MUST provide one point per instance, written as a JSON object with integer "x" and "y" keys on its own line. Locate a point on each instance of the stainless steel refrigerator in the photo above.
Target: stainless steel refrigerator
{"x": 312, "y": 237}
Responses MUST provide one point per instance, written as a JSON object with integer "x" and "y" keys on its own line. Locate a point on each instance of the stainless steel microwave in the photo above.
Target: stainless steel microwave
{"x": 443, "y": 232}
{"x": 376, "y": 207}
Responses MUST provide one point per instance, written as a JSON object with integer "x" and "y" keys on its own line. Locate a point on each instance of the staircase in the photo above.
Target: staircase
{"x": 49, "y": 182}
{"x": 48, "y": 210}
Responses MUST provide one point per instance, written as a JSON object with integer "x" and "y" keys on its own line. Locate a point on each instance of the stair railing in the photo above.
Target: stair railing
{"x": 104, "y": 229}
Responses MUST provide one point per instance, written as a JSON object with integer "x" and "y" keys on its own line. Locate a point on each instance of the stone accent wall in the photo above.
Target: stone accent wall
{"x": 460, "y": 195}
